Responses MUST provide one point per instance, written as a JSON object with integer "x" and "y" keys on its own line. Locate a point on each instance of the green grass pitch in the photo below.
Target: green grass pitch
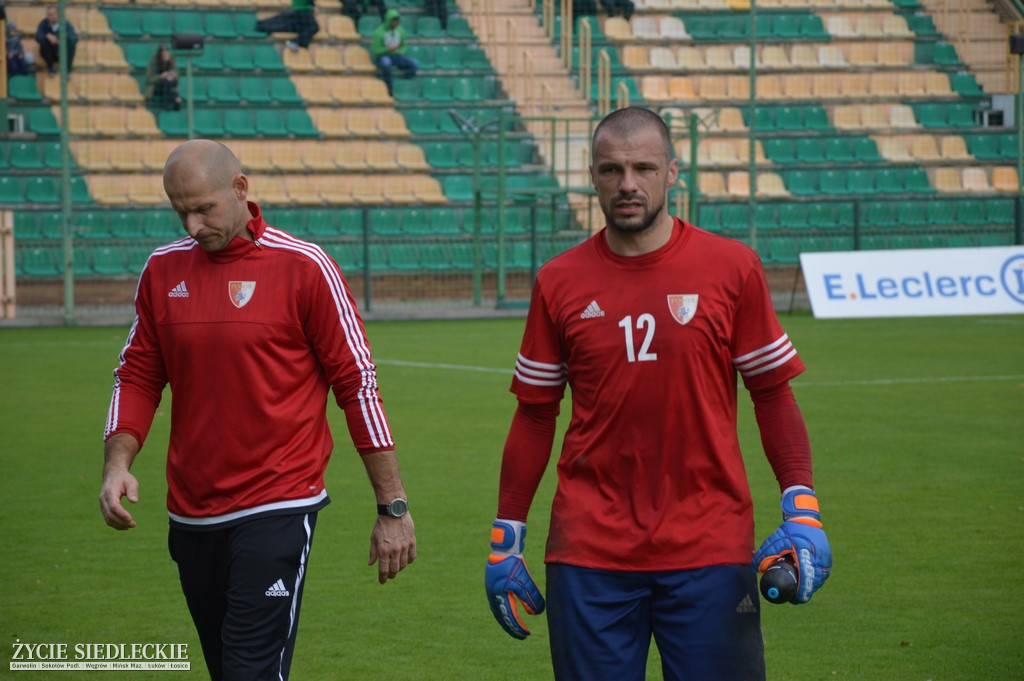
{"x": 917, "y": 427}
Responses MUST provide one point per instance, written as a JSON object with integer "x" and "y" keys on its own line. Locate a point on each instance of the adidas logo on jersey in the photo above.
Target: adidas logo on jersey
{"x": 593, "y": 310}
{"x": 277, "y": 589}
{"x": 746, "y": 605}
{"x": 178, "y": 291}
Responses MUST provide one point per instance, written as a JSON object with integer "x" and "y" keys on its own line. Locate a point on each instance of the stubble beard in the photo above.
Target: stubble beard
{"x": 633, "y": 225}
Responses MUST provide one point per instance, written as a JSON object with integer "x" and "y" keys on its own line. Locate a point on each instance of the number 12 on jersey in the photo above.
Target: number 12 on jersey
{"x": 645, "y": 324}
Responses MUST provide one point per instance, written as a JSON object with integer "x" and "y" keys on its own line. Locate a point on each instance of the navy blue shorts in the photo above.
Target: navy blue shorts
{"x": 705, "y": 622}
{"x": 243, "y": 585}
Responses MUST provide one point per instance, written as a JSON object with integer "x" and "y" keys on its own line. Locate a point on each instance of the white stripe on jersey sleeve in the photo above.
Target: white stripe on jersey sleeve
{"x": 766, "y": 358}
{"x": 539, "y": 373}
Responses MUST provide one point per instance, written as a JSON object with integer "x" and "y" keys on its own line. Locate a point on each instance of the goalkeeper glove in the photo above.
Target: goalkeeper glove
{"x": 801, "y": 537}
{"x": 507, "y": 580}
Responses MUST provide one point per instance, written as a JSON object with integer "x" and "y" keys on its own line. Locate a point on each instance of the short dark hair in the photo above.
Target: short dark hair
{"x": 624, "y": 122}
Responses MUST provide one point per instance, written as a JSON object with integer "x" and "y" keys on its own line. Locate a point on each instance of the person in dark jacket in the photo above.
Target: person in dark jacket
{"x": 48, "y": 37}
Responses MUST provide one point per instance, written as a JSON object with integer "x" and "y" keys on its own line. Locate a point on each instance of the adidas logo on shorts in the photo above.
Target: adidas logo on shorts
{"x": 277, "y": 589}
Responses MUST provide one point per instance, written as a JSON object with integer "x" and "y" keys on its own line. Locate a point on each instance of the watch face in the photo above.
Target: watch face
{"x": 398, "y": 507}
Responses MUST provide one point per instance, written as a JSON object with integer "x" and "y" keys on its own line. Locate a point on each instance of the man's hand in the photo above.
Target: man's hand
{"x": 392, "y": 545}
{"x": 118, "y": 453}
{"x": 117, "y": 484}
{"x": 801, "y": 536}
{"x": 508, "y": 581}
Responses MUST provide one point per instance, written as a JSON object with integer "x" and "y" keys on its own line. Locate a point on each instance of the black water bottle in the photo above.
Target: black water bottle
{"x": 779, "y": 581}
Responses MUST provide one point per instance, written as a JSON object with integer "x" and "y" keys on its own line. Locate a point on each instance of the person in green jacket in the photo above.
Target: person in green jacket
{"x": 388, "y": 48}
{"x": 299, "y": 19}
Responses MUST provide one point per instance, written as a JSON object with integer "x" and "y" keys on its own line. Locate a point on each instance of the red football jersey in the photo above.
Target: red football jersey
{"x": 250, "y": 339}
{"x": 650, "y": 476}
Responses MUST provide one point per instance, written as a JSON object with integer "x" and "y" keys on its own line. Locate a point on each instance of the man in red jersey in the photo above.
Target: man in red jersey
{"x": 251, "y": 328}
{"x": 649, "y": 322}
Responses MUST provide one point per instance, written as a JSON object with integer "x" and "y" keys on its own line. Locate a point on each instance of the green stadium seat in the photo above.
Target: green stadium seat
{"x": 816, "y": 118}
{"x": 173, "y": 123}
{"x": 461, "y": 255}
{"x": 282, "y": 91}
{"x": 367, "y": 24}
{"x": 922, "y": 25}
{"x": 434, "y": 255}
{"x": 40, "y": 189}
{"x": 764, "y": 118}
{"x": 161, "y": 224}
{"x": 158, "y": 24}
{"x": 879, "y": 214}
{"x": 944, "y": 54}
{"x": 889, "y": 181}
{"x": 789, "y": 118}
{"x": 126, "y": 224}
{"x": 28, "y": 224}
{"x": 458, "y": 187}
{"x": 254, "y": 91}
{"x": 476, "y": 59}
{"x": 709, "y": 217}
{"x": 971, "y": 212}
{"x": 780, "y": 150}
{"x": 39, "y": 262}
{"x": 407, "y": 90}
{"x": 25, "y": 156}
{"x": 812, "y": 29}
{"x": 266, "y": 58}
{"x": 5, "y": 156}
{"x": 23, "y": 89}
{"x": 839, "y": 150}
{"x": 802, "y": 182}
{"x": 912, "y": 213}
{"x": 766, "y": 216}
{"x": 1008, "y": 145}
{"x": 446, "y": 220}
{"x": 793, "y": 216}
{"x": 735, "y": 216}
{"x": 52, "y": 225}
{"x": 860, "y": 181}
{"x": 238, "y": 58}
{"x": 459, "y": 28}
{"x": 916, "y": 181}
{"x": 429, "y": 27}
{"x": 778, "y": 26}
{"x": 109, "y": 261}
{"x": 199, "y": 92}
{"x": 810, "y": 150}
{"x": 82, "y": 262}
{"x": 931, "y": 114}
{"x": 960, "y": 115}
{"x": 52, "y": 156}
{"x": 79, "y": 190}
{"x": 984, "y": 147}
{"x": 865, "y": 150}
{"x": 239, "y": 123}
{"x": 440, "y": 154}
{"x": 209, "y": 123}
{"x": 245, "y": 25}
{"x": 297, "y": 122}
{"x": 422, "y": 121}
{"x": 464, "y": 155}
{"x": 212, "y": 58}
{"x": 965, "y": 85}
{"x": 448, "y": 56}
{"x": 423, "y": 54}
{"x": 437, "y": 89}
{"x": 190, "y": 22}
{"x": 270, "y": 124}
{"x": 728, "y": 27}
{"x": 941, "y": 213}
{"x": 138, "y": 54}
{"x": 823, "y": 215}
{"x": 223, "y": 90}
{"x": 833, "y": 182}
{"x": 1000, "y": 212}
{"x": 125, "y": 23}
{"x": 386, "y": 221}
{"x": 221, "y": 25}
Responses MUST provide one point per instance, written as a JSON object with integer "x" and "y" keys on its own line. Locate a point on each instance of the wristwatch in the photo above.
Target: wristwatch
{"x": 396, "y": 508}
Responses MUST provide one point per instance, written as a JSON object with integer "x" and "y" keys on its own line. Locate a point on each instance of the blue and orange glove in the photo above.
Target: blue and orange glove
{"x": 800, "y": 536}
{"x": 508, "y": 581}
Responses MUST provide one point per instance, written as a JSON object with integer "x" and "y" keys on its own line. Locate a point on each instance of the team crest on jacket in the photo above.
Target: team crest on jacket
{"x": 682, "y": 306}
{"x": 240, "y": 292}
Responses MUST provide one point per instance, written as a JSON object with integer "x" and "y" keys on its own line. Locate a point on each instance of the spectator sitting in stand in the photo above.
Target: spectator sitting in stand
{"x": 48, "y": 37}
{"x": 388, "y": 49}
{"x": 162, "y": 80}
{"x": 355, "y": 8}
{"x": 18, "y": 61}
{"x": 300, "y": 20}
{"x": 616, "y": 7}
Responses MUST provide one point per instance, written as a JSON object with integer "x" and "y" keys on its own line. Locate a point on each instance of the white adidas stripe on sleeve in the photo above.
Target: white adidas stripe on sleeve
{"x": 765, "y": 358}
{"x": 539, "y": 373}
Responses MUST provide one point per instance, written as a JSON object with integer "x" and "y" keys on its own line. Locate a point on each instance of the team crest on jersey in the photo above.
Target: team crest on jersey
{"x": 240, "y": 292}
{"x": 682, "y": 306}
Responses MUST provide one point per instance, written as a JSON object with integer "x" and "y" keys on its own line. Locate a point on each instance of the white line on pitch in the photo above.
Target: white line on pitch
{"x": 796, "y": 384}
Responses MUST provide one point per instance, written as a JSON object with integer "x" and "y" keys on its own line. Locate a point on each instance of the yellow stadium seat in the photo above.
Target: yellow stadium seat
{"x": 730, "y": 119}
{"x": 314, "y": 90}
{"x": 375, "y": 92}
{"x": 911, "y": 84}
{"x": 410, "y": 157}
{"x": 895, "y": 54}
{"x": 976, "y": 180}
{"x": 827, "y": 85}
{"x": 287, "y": 157}
{"x": 108, "y": 55}
{"x": 141, "y": 123}
{"x": 145, "y": 190}
{"x": 269, "y": 190}
{"x": 635, "y": 57}
{"x": 840, "y": 26}
{"x": 690, "y": 58}
{"x": 723, "y": 153}
{"x": 895, "y": 26}
{"x": 93, "y": 155}
{"x": 303, "y": 189}
{"x": 618, "y": 29}
{"x": 319, "y": 156}
{"x": 775, "y": 57}
{"x": 94, "y": 24}
{"x": 947, "y": 180}
{"x": 680, "y": 88}
{"x": 737, "y": 87}
{"x": 155, "y": 153}
{"x": 358, "y": 60}
{"x": 877, "y": 116}
{"x": 804, "y": 57}
{"x": 253, "y": 154}
{"x": 341, "y": 27}
{"x": 954, "y": 148}
{"x": 713, "y": 88}
{"x": 427, "y": 189}
{"x": 829, "y": 56}
{"x": 390, "y": 123}
{"x": 797, "y": 86}
{"x": 399, "y": 189}
{"x": 125, "y": 156}
{"x": 362, "y": 123}
{"x": 868, "y": 25}
{"x": 902, "y": 116}
{"x": 770, "y": 87}
{"x": 937, "y": 84}
{"x": 862, "y": 54}
{"x": 1004, "y": 179}
{"x": 738, "y": 183}
{"x": 107, "y": 190}
{"x": 883, "y": 84}
{"x": 711, "y": 184}
{"x": 894, "y": 148}
{"x": 351, "y": 156}
{"x": 123, "y": 88}
{"x": 367, "y": 189}
{"x": 380, "y": 156}
{"x": 718, "y": 57}
{"x": 672, "y": 28}
{"x": 331, "y": 122}
{"x": 771, "y": 185}
{"x": 655, "y": 88}
{"x": 299, "y": 61}
{"x": 847, "y": 117}
{"x": 924, "y": 148}
{"x": 855, "y": 85}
